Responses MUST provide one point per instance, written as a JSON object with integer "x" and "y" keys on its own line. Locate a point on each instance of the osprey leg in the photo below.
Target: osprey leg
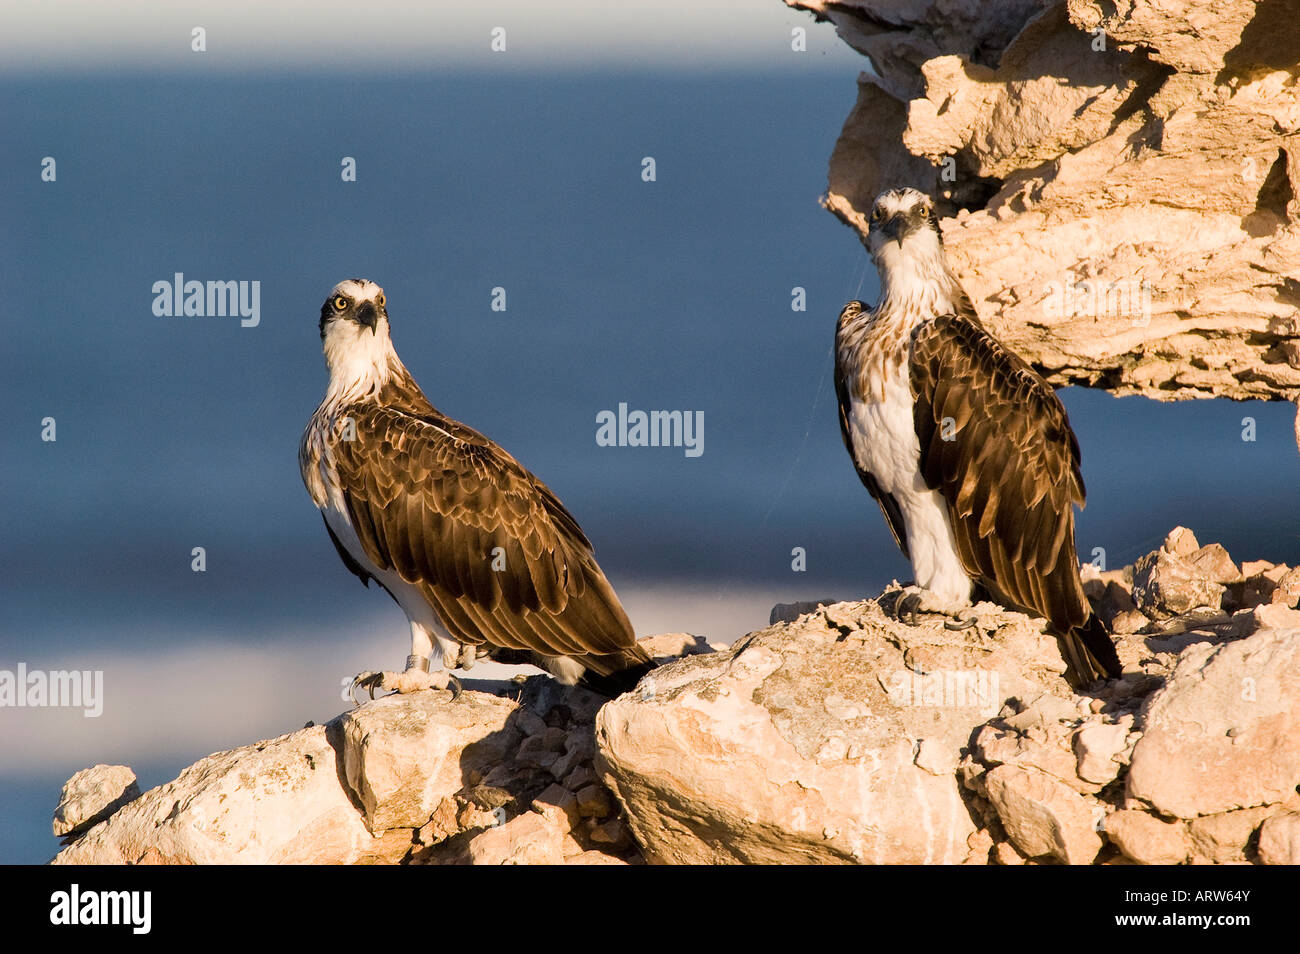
{"x": 917, "y": 599}
{"x": 418, "y": 675}
{"x": 415, "y": 678}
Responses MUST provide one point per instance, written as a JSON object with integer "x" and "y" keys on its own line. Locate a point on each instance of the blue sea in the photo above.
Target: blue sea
{"x": 174, "y": 433}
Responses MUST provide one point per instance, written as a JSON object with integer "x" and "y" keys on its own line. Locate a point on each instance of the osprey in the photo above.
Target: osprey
{"x": 967, "y": 450}
{"x": 474, "y": 548}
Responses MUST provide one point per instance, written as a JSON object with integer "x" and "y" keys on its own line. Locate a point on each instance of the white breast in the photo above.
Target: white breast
{"x": 885, "y": 445}
{"x": 322, "y": 482}
{"x": 408, "y": 597}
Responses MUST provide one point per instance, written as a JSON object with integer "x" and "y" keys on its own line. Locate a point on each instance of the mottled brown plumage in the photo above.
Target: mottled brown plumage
{"x": 1010, "y": 475}
{"x": 436, "y": 501}
{"x": 462, "y": 524}
{"x": 967, "y": 450}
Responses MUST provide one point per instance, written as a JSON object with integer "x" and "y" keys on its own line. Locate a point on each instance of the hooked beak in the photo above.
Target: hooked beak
{"x": 368, "y": 315}
{"x": 894, "y": 228}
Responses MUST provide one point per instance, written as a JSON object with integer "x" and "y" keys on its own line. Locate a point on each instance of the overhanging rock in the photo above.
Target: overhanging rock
{"x": 1120, "y": 180}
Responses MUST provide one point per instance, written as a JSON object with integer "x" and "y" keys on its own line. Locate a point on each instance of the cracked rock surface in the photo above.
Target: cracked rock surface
{"x": 498, "y": 777}
{"x": 843, "y": 735}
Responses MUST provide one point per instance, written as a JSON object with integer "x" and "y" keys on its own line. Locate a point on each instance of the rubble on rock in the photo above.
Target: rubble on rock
{"x": 92, "y": 795}
{"x": 500, "y": 777}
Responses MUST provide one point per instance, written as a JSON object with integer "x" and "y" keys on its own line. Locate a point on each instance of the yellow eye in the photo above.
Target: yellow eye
{"x": 380, "y": 301}
{"x": 875, "y": 214}
{"x": 340, "y": 303}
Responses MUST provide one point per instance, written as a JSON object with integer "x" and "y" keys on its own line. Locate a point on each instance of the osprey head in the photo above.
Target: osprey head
{"x": 354, "y": 333}
{"x": 902, "y": 219}
{"x": 355, "y": 305}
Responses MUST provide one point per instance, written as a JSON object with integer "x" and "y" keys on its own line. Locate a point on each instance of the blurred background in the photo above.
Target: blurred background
{"x": 474, "y": 169}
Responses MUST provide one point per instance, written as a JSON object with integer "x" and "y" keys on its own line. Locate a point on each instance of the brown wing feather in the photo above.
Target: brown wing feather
{"x": 1010, "y": 475}
{"x": 432, "y": 498}
{"x": 888, "y": 505}
{"x": 966, "y": 308}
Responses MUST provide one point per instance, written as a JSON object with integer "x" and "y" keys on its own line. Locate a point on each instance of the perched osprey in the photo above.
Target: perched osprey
{"x": 967, "y": 450}
{"x": 473, "y": 547}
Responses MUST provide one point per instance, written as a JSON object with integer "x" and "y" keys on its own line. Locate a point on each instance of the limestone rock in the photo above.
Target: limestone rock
{"x": 1224, "y": 732}
{"x": 1259, "y": 567}
{"x": 578, "y": 752}
{"x": 1250, "y": 592}
{"x": 1180, "y": 541}
{"x": 1113, "y": 601}
{"x": 753, "y": 754}
{"x": 1006, "y": 854}
{"x": 1166, "y": 585}
{"x": 560, "y": 805}
{"x": 789, "y": 612}
{"x": 524, "y": 782}
{"x": 530, "y": 723}
{"x": 529, "y": 839}
{"x": 595, "y": 858}
{"x": 1129, "y": 622}
{"x": 92, "y": 795}
{"x": 1047, "y": 751}
{"x": 1276, "y": 616}
{"x": 403, "y": 755}
{"x": 1146, "y": 839}
{"x": 1099, "y": 747}
{"x": 981, "y": 846}
{"x": 593, "y": 801}
{"x": 1279, "y": 840}
{"x": 542, "y": 750}
{"x": 1043, "y": 815}
{"x": 1213, "y": 563}
{"x": 801, "y": 742}
{"x": 1223, "y": 837}
{"x": 580, "y": 777}
{"x": 403, "y": 779}
{"x": 934, "y": 757}
{"x": 273, "y": 802}
{"x": 1287, "y": 591}
{"x": 665, "y": 647}
{"x": 611, "y": 833}
{"x": 1120, "y": 182}
{"x": 1045, "y": 712}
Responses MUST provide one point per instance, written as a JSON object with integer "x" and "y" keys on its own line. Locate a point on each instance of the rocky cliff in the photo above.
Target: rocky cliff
{"x": 1119, "y": 179}
{"x": 837, "y": 734}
